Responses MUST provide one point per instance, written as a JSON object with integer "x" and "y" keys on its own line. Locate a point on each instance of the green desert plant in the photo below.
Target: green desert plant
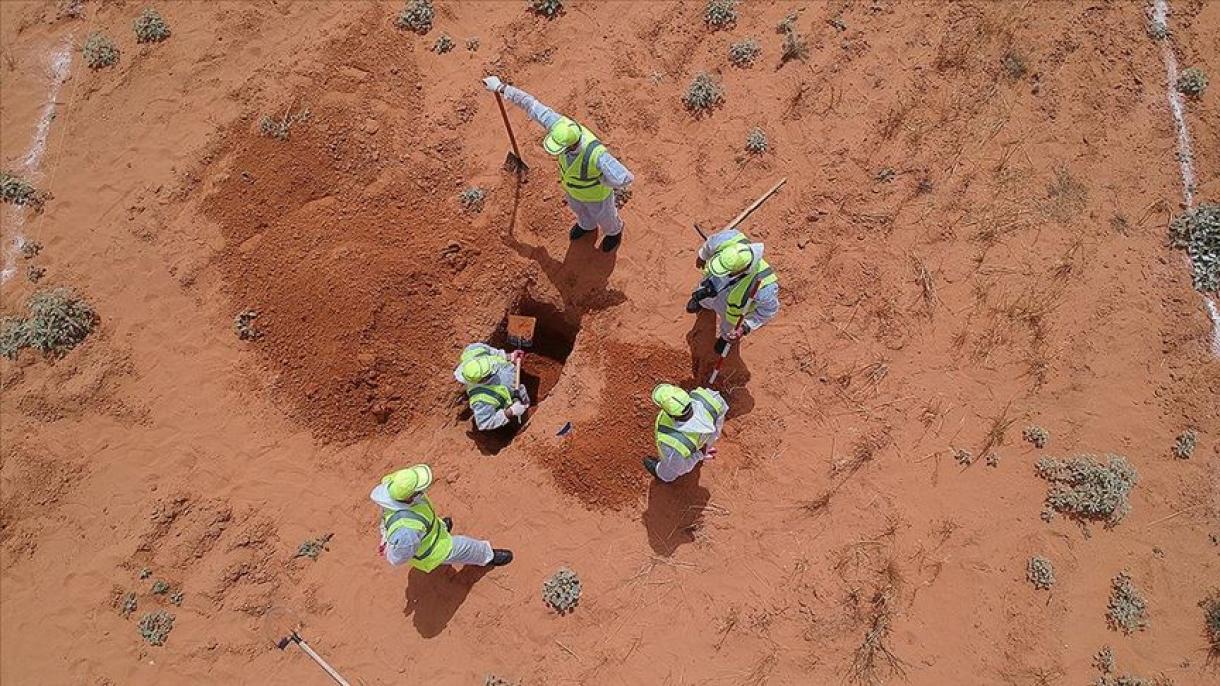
{"x": 743, "y": 53}
{"x": 443, "y": 44}
{"x": 703, "y": 94}
{"x": 562, "y": 591}
{"x": 1040, "y": 573}
{"x": 1184, "y": 447}
{"x": 886, "y": 174}
{"x": 1198, "y": 232}
{"x": 416, "y": 16}
{"x": 176, "y": 598}
{"x": 1192, "y": 81}
{"x": 29, "y": 249}
{"x": 1157, "y": 29}
{"x": 1211, "y": 620}
{"x": 151, "y": 27}
{"x": 963, "y": 457}
{"x": 145, "y": 572}
{"x": 472, "y": 199}
{"x": 1087, "y": 489}
{"x": 756, "y": 141}
{"x": 793, "y": 47}
{"x": 472, "y": 44}
{"x": 127, "y": 604}
{"x": 243, "y": 324}
{"x": 787, "y": 24}
{"x": 493, "y": 680}
{"x": 160, "y": 587}
{"x": 1014, "y": 65}
{"x": 18, "y": 191}
{"x": 1104, "y": 660}
{"x": 56, "y": 322}
{"x": 1127, "y": 610}
{"x": 313, "y": 547}
{"x": 1036, "y": 435}
{"x": 34, "y": 273}
{"x": 546, "y": 8}
{"x": 719, "y": 14}
{"x": 155, "y": 627}
{"x": 100, "y": 51}
{"x": 279, "y": 128}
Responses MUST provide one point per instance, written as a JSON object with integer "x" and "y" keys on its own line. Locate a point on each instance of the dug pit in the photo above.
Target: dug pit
{"x": 554, "y": 337}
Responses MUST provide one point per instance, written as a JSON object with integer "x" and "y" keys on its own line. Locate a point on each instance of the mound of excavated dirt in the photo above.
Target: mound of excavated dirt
{"x": 362, "y": 297}
{"x": 599, "y": 464}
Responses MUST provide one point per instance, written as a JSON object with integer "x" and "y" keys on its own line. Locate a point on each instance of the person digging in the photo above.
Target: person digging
{"x": 411, "y": 532}
{"x": 588, "y": 173}
{"x": 733, "y": 268}
{"x": 685, "y": 430}
{"x": 489, "y": 375}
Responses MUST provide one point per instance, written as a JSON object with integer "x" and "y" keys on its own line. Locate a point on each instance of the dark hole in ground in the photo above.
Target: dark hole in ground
{"x": 554, "y": 337}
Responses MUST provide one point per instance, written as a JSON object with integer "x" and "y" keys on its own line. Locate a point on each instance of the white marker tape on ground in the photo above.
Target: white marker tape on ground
{"x": 1186, "y": 155}
{"x": 60, "y": 64}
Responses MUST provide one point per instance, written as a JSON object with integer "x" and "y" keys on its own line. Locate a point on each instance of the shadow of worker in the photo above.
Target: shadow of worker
{"x": 581, "y": 277}
{"x": 675, "y": 512}
{"x": 433, "y": 598}
{"x": 734, "y": 375}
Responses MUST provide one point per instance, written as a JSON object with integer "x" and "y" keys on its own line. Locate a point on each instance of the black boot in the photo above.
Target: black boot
{"x": 692, "y": 305}
{"x": 721, "y": 344}
{"x": 448, "y": 523}
{"x": 577, "y": 233}
{"x": 500, "y": 557}
{"x": 609, "y": 243}
{"x": 650, "y": 463}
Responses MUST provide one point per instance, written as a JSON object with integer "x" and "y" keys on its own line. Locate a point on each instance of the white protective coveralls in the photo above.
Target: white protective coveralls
{"x": 672, "y": 465}
{"x": 766, "y": 299}
{"x": 589, "y": 215}
{"x": 400, "y": 549}
{"x": 486, "y": 416}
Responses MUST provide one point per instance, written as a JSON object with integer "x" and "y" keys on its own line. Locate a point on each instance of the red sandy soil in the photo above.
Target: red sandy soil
{"x": 1034, "y": 205}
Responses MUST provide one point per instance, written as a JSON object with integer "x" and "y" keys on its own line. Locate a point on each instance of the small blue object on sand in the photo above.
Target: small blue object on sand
{"x": 565, "y": 429}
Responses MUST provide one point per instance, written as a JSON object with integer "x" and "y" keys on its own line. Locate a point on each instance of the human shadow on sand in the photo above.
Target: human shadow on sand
{"x": 433, "y": 598}
{"x": 675, "y": 512}
{"x": 734, "y": 376}
{"x": 582, "y": 276}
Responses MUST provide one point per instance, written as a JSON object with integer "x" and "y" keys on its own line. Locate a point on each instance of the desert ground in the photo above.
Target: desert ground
{"x": 971, "y": 242}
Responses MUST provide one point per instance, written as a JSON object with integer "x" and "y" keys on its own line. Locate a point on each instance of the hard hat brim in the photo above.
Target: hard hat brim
{"x": 552, "y": 146}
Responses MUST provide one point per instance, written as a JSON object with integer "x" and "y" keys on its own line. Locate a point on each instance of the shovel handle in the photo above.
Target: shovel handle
{"x": 504, "y": 115}
{"x": 321, "y": 663}
{"x": 517, "y": 384}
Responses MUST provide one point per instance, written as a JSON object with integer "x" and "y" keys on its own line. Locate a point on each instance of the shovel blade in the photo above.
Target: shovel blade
{"x": 515, "y": 164}
{"x": 521, "y": 331}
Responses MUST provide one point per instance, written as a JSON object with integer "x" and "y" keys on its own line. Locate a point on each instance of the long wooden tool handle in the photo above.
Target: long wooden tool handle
{"x": 504, "y": 115}
{"x": 322, "y": 663}
{"x": 517, "y": 384}
{"x": 746, "y": 212}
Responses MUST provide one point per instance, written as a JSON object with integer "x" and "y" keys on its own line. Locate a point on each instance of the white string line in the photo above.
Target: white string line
{"x": 1186, "y": 155}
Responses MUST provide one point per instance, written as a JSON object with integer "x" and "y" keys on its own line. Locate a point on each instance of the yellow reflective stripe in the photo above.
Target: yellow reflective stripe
{"x": 708, "y": 401}
{"x": 405, "y": 518}
{"x": 491, "y": 395}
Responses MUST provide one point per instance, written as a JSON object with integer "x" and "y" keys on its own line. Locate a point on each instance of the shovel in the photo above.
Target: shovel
{"x": 512, "y": 161}
{"x": 520, "y": 335}
{"x": 521, "y": 331}
{"x": 294, "y": 637}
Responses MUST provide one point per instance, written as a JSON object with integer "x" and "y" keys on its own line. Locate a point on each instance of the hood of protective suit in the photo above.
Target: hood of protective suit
{"x": 381, "y": 496}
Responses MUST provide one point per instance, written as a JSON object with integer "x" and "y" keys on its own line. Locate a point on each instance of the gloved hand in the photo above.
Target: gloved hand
{"x": 709, "y": 453}
{"x": 516, "y": 356}
{"x": 494, "y": 84}
{"x": 516, "y": 409}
